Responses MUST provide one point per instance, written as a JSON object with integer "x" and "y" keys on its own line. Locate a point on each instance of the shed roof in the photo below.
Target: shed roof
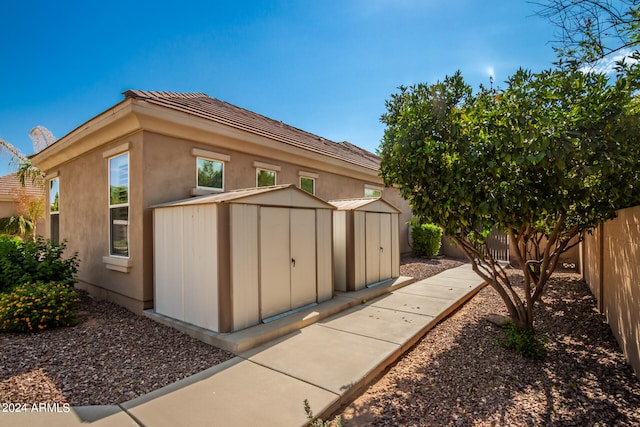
{"x": 368, "y": 204}
{"x": 275, "y": 195}
{"x": 202, "y": 105}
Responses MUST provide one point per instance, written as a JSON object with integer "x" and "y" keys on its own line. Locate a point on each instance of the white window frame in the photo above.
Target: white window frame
{"x": 204, "y": 187}
{"x": 212, "y": 156}
{"x": 120, "y": 205}
{"x": 260, "y": 166}
{"x": 313, "y": 181}
{"x": 372, "y": 188}
{"x": 57, "y": 212}
{"x": 275, "y": 176}
{"x": 308, "y": 175}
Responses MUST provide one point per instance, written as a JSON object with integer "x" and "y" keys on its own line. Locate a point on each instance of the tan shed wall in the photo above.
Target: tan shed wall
{"x": 395, "y": 244}
{"x": 324, "y": 254}
{"x": 359, "y": 265}
{"x": 168, "y": 272}
{"x": 187, "y": 287}
{"x": 612, "y": 255}
{"x": 200, "y": 266}
{"x": 245, "y": 291}
{"x": 340, "y": 250}
{"x": 358, "y": 237}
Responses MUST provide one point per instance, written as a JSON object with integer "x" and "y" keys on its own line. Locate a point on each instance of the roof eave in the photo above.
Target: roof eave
{"x": 107, "y": 126}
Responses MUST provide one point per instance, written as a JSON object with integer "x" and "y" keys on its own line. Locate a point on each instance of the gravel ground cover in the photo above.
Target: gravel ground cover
{"x": 110, "y": 357}
{"x": 114, "y": 355}
{"x": 458, "y": 374}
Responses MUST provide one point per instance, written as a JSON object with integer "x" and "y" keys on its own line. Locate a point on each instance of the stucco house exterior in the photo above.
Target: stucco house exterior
{"x": 154, "y": 148}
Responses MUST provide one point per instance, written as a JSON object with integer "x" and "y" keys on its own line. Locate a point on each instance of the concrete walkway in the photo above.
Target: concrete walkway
{"x": 328, "y": 362}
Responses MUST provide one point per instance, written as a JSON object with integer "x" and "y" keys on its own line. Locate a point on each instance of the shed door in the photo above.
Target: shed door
{"x": 303, "y": 256}
{"x": 275, "y": 282}
{"x": 287, "y": 259}
{"x": 378, "y": 247}
{"x": 385, "y": 244}
{"x": 372, "y": 247}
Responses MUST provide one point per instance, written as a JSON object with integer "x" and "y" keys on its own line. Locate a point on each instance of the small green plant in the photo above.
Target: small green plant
{"x": 38, "y": 260}
{"x": 317, "y": 422}
{"x": 426, "y": 238}
{"x": 36, "y": 306}
{"x": 523, "y": 341}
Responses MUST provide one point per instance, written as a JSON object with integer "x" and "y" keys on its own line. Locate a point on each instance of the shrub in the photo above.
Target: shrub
{"x": 39, "y": 260}
{"x": 523, "y": 341}
{"x": 312, "y": 421}
{"x": 427, "y": 239}
{"x": 37, "y": 306}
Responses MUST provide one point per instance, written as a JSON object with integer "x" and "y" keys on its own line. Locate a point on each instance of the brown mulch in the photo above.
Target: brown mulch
{"x": 459, "y": 375}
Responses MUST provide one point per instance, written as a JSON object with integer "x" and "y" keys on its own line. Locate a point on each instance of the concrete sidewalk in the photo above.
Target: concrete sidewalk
{"x": 328, "y": 362}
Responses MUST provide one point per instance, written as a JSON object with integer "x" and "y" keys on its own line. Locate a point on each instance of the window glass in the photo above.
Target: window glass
{"x": 266, "y": 178}
{"x": 54, "y": 196}
{"x": 210, "y": 173}
{"x": 308, "y": 184}
{"x": 119, "y": 205}
{"x": 119, "y": 179}
{"x": 370, "y": 192}
{"x": 54, "y": 210}
{"x": 120, "y": 231}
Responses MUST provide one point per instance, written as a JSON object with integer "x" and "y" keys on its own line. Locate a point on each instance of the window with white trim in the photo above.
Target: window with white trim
{"x": 308, "y": 184}
{"x": 210, "y": 174}
{"x": 119, "y": 205}
{"x": 372, "y": 192}
{"x": 54, "y": 209}
{"x": 265, "y": 177}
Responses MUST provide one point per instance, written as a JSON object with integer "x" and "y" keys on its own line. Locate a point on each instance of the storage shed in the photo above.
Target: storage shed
{"x": 365, "y": 243}
{"x": 228, "y": 261}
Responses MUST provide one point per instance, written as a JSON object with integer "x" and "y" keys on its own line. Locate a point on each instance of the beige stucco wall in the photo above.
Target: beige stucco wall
{"x": 611, "y": 266}
{"x": 161, "y": 186}
{"x": 84, "y": 223}
{"x": 163, "y": 169}
{"x": 7, "y": 208}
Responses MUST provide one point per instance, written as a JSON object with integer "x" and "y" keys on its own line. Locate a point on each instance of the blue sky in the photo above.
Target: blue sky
{"x": 325, "y": 66}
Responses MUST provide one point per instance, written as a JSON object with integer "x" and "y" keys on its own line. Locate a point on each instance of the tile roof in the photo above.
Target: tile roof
{"x": 9, "y": 185}
{"x": 202, "y": 105}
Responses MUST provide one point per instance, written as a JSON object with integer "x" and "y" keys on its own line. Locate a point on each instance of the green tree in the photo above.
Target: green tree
{"x": 590, "y": 30}
{"x": 544, "y": 160}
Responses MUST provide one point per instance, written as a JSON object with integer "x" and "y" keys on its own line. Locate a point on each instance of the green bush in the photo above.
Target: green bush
{"x": 37, "y": 306}
{"x": 426, "y": 238}
{"x": 312, "y": 421}
{"x": 522, "y": 341}
{"x": 39, "y": 260}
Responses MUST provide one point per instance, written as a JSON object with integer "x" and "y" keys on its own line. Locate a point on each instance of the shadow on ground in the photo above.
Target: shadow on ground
{"x": 459, "y": 375}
